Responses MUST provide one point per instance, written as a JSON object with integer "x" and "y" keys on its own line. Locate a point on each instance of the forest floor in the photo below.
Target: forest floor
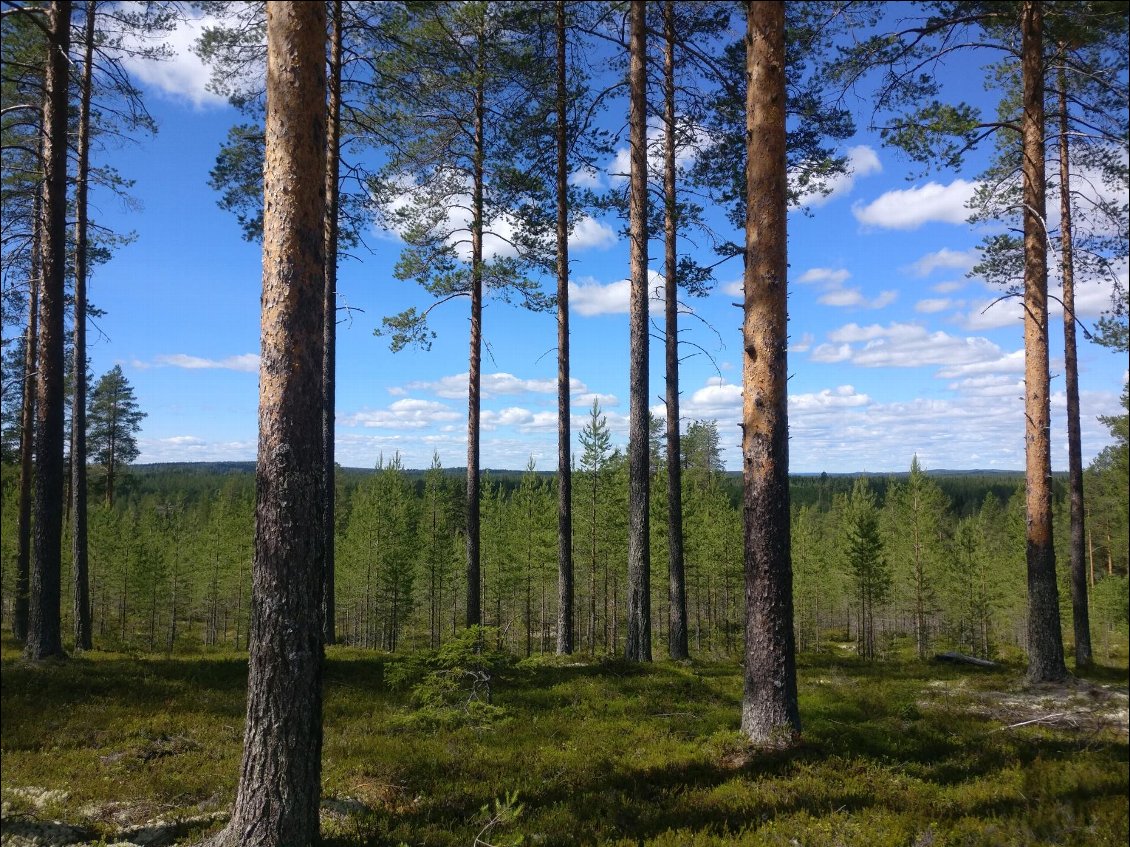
{"x": 109, "y": 748}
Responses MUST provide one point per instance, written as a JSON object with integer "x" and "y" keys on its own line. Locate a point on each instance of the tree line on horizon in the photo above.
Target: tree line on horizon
{"x": 488, "y": 106}
{"x": 170, "y": 560}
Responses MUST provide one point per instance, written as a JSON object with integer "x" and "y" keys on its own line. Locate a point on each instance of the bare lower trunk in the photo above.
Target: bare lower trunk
{"x": 1080, "y": 613}
{"x": 677, "y": 632}
{"x": 44, "y": 637}
{"x": 329, "y": 351}
{"x": 564, "y": 438}
{"x": 277, "y": 799}
{"x": 79, "y": 550}
{"x": 638, "y": 646}
{"x": 474, "y": 373}
{"x": 1045, "y": 642}
{"x": 27, "y": 434}
{"x": 770, "y": 715}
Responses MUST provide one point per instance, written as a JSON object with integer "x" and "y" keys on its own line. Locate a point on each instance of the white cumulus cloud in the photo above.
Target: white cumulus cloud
{"x": 910, "y": 208}
{"x": 590, "y": 297}
{"x": 182, "y": 75}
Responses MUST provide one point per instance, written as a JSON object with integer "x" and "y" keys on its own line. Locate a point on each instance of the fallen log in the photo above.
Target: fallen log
{"x": 962, "y": 659}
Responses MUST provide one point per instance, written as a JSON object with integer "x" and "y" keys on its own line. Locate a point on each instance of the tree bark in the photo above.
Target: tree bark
{"x": 79, "y": 548}
{"x": 1045, "y": 641}
{"x": 1079, "y": 610}
{"x": 677, "y": 629}
{"x": 638, "y": 647}
{"x": 44, "y": 638}
{"x": 565, "y": 635}
{"x": 27, "y": 434}
{"x": 474, "y": 370}
{"x": 329, "y": 362}
{"x": 278, "y": 795}
{"x": 770, "y": 714}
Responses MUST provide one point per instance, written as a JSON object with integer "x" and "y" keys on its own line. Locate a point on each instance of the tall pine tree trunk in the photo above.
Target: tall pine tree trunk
{"x": 44, "y": 636}
{"x": 565, "y": 635}
{"x": 27, "y": 434}
{"x": 677, "y": 631}
{"x": 474, "y": 371}
{"x": 329, "y": 354}
{"x": 638, "y": 647}
{"x": 79, "y": 550}
{"x": 1079, "y": 611}
{"x": 1045, "y": 642}
{"x": 278, "y": 795}
{"x": 770, "y": 715}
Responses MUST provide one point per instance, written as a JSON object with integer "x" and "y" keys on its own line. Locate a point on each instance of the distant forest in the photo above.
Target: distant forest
{"x": 171, "y": 560}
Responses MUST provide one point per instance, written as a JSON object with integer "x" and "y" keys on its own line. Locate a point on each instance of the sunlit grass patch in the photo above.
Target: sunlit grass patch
{"x": 899, "y": 753}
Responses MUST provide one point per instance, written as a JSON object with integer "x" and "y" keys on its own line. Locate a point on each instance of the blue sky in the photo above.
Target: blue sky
{"x": 891, "y": 353}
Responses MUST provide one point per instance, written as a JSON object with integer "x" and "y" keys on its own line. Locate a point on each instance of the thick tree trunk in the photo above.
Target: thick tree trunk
{"x": 27, "y": 436}
{"x": 770, "y": 715}
{"x": 44, "y": 638}
{"x": 278, "y": 796}
{"x": 329, "y": 354}
{"x": 474, "y": 370}
{"x": 677, "y": 630}
{"x": 1045, "y": 641}
{"x": 1080, "y": 613}
{"x": 638, "y": 647}
{"x": 79, "y": 550}
{"x": 565, "y": 635}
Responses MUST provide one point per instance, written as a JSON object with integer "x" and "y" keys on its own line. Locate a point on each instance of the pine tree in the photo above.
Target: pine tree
{"x": 114, "y": 419}
{"x": 638, "y": 646}
{"x": 44, "y": 638}
{"x": 770, "y": 714}
{"x": 597, "y": 443}
{"x": 464, "y": 76}
{"x": 863, "y": 555}
{"x": 914, "y": 514}
{"x": 283, "y": 735}
{"x": 934, "y": 133}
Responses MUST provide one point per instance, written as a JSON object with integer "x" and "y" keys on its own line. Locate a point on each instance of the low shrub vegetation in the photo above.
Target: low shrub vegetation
{"x": 443, "y": 747}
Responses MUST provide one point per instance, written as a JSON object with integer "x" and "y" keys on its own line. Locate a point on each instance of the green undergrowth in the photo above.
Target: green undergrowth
{"x": 440, "y": 748}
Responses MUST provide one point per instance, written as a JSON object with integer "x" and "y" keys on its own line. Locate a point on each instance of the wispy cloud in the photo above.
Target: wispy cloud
{"x": 961, "y": 260}
{"x": 825, "y": 276}
{"x": 854, "y": 297}
{"x": 912, "y": 207}
{"x": 245, "y": 362}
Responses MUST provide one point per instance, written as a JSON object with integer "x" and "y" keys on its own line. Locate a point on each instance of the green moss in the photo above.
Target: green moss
{"x": 898, "y": 753}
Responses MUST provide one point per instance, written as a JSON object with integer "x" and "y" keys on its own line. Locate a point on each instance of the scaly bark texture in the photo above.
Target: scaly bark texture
{"x": 638, "y": 647}
{"x": 474, "y": 369}
{"x": 677, "y": 586}
{"x": 1079, "y": 612}
{"x": 565, "y": 636}
{"x": 1045, "y": 642}
{"x": 44, "y": 638}
{"x": 27, "y": 435}
{"x": 79, "y": 549}
{"x": 329, "y": 360}
{"x": 770, "y": 715}
{"x": 278, "y": 795}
